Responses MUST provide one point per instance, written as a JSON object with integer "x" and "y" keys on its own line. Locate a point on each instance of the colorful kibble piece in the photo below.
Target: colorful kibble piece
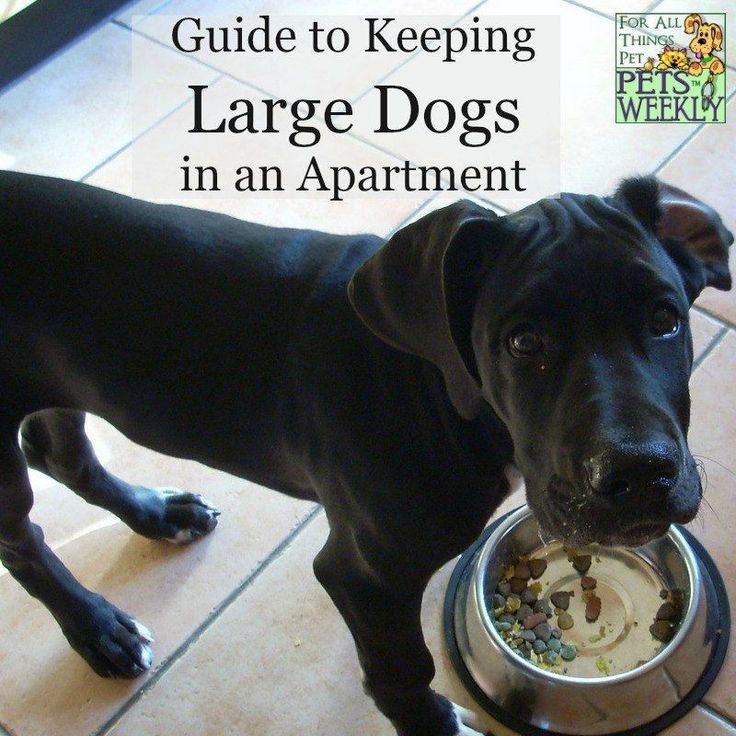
{"x": 565, "y": 621}
{"x": 588, "y": 583}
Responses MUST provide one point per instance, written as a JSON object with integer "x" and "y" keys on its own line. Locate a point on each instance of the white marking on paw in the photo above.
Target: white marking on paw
{"x": 143, "y": 631}
{"x": 467, "y": 721}
{"x": 145, "y": 657}
{"x": 183, "y": 536}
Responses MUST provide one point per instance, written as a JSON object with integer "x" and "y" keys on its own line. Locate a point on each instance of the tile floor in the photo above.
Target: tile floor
{"x": 247, "y": 642}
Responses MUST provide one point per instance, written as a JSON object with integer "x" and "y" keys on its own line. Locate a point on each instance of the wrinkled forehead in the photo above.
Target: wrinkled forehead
{"x": 582, "y": 247}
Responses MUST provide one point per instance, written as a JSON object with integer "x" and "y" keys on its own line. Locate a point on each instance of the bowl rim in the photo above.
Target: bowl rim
{"x": 693, "y": 572}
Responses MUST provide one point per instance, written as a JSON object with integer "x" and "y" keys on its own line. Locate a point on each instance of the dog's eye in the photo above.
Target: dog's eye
{"x": 525, "y": 342}
{"x": 664, "y": 321}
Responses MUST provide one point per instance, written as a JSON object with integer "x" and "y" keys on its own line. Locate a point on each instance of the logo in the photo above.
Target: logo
{"x": 670, "y": 68}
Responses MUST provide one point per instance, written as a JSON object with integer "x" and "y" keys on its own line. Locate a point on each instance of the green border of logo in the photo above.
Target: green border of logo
{"x": 720, "y": 79}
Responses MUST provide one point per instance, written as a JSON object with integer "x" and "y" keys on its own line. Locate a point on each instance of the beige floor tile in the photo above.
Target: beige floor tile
{"x": 48, "y": 690}
{"x": 701, "y": 722}
{"x": 162, "y": 147}
{"x": 277, "y": 668}
{"x": 715, "y": 185}
{"x": 704, "y": 329}
{"x": 75, "y": 111}
{"x": 713, "y": 439}
{"x": 611, "y": 7}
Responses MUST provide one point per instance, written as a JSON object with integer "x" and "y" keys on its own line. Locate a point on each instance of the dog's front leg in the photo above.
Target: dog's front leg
{"x": 114, "y": 644}
{"x": 384, "y": 619}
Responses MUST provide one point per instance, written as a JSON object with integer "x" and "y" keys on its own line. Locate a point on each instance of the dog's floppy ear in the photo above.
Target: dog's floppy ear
{"x": 418, "y": 293}
{"x": 691, "y": 21}
{"x": 717, "y": 36}
{"x": 691, "y": 231}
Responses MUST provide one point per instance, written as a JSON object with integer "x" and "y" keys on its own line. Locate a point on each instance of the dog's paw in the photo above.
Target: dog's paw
{"x": 189, "y": 515}
{"x": 171, "y": 514}
{"x": 113, "y": 644}
{"x": 468, "y": 723}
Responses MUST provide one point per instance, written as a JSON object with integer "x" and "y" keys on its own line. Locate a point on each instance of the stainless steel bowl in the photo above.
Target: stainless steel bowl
{"x": 649, "y": 682}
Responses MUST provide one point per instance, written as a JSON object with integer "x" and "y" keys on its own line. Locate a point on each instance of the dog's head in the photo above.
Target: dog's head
{"x": 569, "y": 319}
{"x": 708, "y": 36}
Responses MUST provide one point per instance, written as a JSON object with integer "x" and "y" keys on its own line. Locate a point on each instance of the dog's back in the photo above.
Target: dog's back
{"x": 138, "y": 312}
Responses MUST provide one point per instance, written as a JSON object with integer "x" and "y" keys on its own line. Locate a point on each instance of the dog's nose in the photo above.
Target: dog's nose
{"x": 621, "y": 472}
{"x": 702, "y": 40}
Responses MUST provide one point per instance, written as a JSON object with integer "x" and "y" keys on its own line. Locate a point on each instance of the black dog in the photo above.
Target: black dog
{"x": 393, "y": 382}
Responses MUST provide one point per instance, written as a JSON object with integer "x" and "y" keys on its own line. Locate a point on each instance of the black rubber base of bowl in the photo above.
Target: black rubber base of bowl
{"x": 714, "y": 585}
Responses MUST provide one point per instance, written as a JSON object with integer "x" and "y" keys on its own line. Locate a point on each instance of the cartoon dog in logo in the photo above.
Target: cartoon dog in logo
{"x": 708, "y": 38}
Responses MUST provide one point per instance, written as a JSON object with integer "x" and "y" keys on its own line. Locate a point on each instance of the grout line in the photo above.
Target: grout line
{"x": 712, "y": 345}
{"x": 424, "y": 203}
{"x": 677, "y": 149}
{"x": 717, "y": 715}
{"x": 139, "y": 135}
{"x": 195, "y": 60}
{"x": 592, "y": 10}
{"x": 722, "y": 321}
{"x": 192, "y": 639}
{"x": 152, "y": 11}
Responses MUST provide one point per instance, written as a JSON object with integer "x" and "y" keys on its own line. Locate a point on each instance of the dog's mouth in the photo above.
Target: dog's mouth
{"x": 578, "y": 519}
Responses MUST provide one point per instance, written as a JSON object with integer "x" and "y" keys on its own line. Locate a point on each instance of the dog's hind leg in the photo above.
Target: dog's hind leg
{"x": 114, "y": 644}
{"x": 54, "y": 442}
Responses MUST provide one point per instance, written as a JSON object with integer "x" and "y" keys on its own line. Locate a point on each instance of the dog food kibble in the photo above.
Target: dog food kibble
{"x": 504, "y": 588}
{"x": 517, "y": 585}
{"x": 551, "y": 657}
{"x": 513, "y": 603}
{"x": 588, "y": 583}
{"x": 582, "y": 563}
{"x": 542, "y": 607}
{"x": 592, "y": 608}
{"x": 521, "y": 614}
{"x": 534, "y": 620}
{"x": 537, "y": 567}
{"x": 561, "y": 599}
{"x": 564, "y": 621}
{"x": 666, "y": 612}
